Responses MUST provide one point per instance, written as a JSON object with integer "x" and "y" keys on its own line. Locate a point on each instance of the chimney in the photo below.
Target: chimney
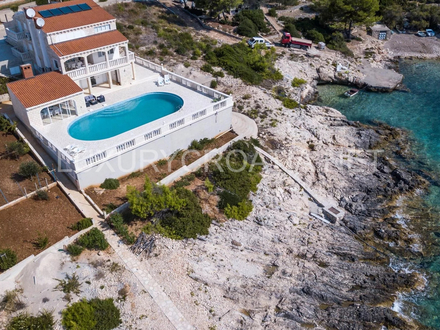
{"x": 26, "y": 71}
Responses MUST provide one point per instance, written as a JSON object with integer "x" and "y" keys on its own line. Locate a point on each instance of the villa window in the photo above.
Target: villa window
{"x": 102, "y": 28}
{"x": 101, "y": 54}
{"x": 111, "y": 51}
{"x": 57, "y": 112}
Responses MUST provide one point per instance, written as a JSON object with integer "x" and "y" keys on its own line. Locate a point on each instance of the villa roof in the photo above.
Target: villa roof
{"x": 72, "y": 20}
{"x": 87, "y": 43}
{"x": 43, "y": 88}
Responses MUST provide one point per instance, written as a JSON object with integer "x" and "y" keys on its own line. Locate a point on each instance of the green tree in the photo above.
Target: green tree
{"x": 153, "y": 199}
{"x": 29, "y": 169}
{"x": 393, "y": 15}
{"x": 217, "y": 7}
{"x": 347, "y": 13}
{"x": 8, "y": 258}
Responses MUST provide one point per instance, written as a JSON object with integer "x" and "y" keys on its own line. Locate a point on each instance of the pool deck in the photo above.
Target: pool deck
{"x": 145, "y": 82}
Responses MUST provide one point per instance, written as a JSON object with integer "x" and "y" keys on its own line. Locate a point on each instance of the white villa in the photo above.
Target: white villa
{"x": 72, "y": 49}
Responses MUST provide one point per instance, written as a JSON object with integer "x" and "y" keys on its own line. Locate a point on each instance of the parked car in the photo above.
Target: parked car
{"x": 430, "y": 32}
{"x": 421, "y": 34}
{"x": 258, "y": 41}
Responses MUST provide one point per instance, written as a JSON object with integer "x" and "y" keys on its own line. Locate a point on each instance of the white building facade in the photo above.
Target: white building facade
{"x": 77, "y": 38}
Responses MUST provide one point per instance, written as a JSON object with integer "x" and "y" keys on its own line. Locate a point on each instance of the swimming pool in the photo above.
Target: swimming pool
{"x": 124, "y": 116}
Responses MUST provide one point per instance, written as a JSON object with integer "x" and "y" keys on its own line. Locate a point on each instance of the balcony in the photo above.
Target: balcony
{"x": 100, "y": 67}
{"x": 24, "y": 56}
{"x": 15, "y": 36}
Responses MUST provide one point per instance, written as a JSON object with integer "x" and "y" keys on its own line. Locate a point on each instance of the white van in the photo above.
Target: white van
{"x": 258, "y": 41}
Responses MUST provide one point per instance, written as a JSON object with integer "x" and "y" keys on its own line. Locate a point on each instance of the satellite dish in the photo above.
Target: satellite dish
{"x": 39, "y": 23}
{"x": 30, "y": 13}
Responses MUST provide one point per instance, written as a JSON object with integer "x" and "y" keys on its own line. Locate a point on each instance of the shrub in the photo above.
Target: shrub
{"x": 247, "y": 28}
{"x": 209, "y": 186}
{"x": 17, "y": 149}
{"x": 117, "y": 222}
{"x": 79, "y": 316}
{"x": 186, "y": 64}
{"x": 188, "y": 222}
{"x": 253, "y": 66}
{"x": 227, "y": 198}
{"x": 29, "y": 169}
{"x": 5, "y": 124}
{"x": 289, "y": 103}
{"x": 256, "y": 16}
{"x": 337, "y": 42}
{"x": 273, "y": 12}
{"x": 207, "y": 68}
{"x": 218, "y": 74}
{"x": 41, "y": 195}
{"x": 8, "y": 258}
{"x": 315, "y": 36}
{"x": 199, "y": 145}
{"x": 11, "y": 301}
{"x": 110, "y": 184}
{"x": 239, "y": 212}
{"x": 41, "y": 241}
{"x": 95, "y": 314}
{"x": 43, "y": 321}
{"x": 69, "y": 285}
{"x": 82, "y": 224}
{"x": 94, "y": 239}
{"x": 185, "y": 181}
{"x": 213, "y": 84}
{"x": 291, "y": 28}
{"x": 296, "y": 82}
{"x": 74, "y": 249}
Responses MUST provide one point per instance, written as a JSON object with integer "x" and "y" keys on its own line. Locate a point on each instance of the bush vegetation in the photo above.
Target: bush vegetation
{"x": 69, "y": 285}
{"x": 16, "y": 149}
{"x": 74, "y": 249}
{"x": 117, "y": 222}
{"x": 82, "y": 224}
{"x": 94, "y": 239}
{"x": 110, "y": 184}
{"x": 41, "y": 195}
{"x": 3, "y": 82}
{"x": 174, "y": 213}
{"x": 6, "y": 126}
{"x": 8, "y": 258}
{"x": 11, "y": 301}
{"x": 253, "y": 67}
{"x": 296, "y": 82}
{"x": 29, "y": 169}
{"x": 272, "y": 12}
{"x": 250, "y": 22}
{"x": 236, "y": 175}
{"x": 213, "y": 84}
{"x": 41, "y": 241}
{"x": 94, "y": 314}
{"x": 199, "y": 145}
{"x": 43, "y": 321}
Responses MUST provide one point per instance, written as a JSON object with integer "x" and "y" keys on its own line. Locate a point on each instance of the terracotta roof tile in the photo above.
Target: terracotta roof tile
{"x": 87, "y": 43}
{"x": 43, "y": 88}
{"x": 72, "y": 20}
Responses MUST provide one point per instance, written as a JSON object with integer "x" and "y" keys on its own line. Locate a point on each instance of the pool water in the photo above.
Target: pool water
{"x": 124, "y": 116}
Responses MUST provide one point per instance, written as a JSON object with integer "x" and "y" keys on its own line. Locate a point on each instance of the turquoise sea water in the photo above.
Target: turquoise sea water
{"x": 419, "y": 112}
{"x": 124, "y": 116}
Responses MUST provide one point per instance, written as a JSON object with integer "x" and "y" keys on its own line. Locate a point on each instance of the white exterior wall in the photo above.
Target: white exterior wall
{"x": 125, "y": 75}
{"x": 140, "y": 157}
{"x": 86, "y": 31}
{"x": 32, "y": 118}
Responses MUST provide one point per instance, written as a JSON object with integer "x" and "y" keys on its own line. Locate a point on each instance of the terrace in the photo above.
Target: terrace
{"x": 199, "y": 103}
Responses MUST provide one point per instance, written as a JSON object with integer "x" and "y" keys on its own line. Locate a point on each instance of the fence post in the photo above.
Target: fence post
{"x": 25, "y": 192}
{"x": 19, "y": 187}
{"x": 4, "y": 196}
{"x": 47, "y": 185}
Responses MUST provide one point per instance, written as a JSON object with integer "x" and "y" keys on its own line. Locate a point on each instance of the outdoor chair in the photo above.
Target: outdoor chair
{"x": 167, "y": 79}
{"x": 160, "y": 81}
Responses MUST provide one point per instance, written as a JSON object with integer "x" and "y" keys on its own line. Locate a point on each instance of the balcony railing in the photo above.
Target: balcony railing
{"x": 15, "y": 36}
{"x": 100, "y": 67}
{"x": 24, "y": 56}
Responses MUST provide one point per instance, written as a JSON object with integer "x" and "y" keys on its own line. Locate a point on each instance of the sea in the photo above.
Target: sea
{"x": 418, "y": 112}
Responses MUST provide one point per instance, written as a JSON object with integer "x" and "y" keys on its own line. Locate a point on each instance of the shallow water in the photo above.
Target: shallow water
{"x": 419, "y": 112}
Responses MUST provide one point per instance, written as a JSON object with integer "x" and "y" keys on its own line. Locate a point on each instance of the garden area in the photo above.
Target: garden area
{"x": 109, "y": 199}
{"x": 187, "y": 208}
{"x": 20, "y": 172}
{"x": 34, "y": 224}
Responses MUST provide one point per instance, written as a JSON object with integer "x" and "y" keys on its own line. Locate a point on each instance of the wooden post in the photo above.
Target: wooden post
{"x": 25, "y": 192}
{"x": 47, "y": 185}
{"x": 36, "y": 187}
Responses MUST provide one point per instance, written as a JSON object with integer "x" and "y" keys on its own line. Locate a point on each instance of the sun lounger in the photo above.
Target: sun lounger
{"x": 160, "y": 81}
{"x": 167, "y": 79}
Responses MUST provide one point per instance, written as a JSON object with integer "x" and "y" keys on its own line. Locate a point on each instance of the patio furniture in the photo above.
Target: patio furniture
{"x": 167, "y": 79}
{"x": 160, "y": 81}
{"x": 100, "y": 98}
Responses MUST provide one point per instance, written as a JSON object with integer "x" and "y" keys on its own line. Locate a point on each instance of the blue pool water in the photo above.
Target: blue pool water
{"x": 418, "y": 112}
{"x": 124, "y": 116}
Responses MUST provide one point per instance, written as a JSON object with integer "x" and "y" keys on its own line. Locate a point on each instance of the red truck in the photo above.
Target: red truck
{"x": 287, "y": 40}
